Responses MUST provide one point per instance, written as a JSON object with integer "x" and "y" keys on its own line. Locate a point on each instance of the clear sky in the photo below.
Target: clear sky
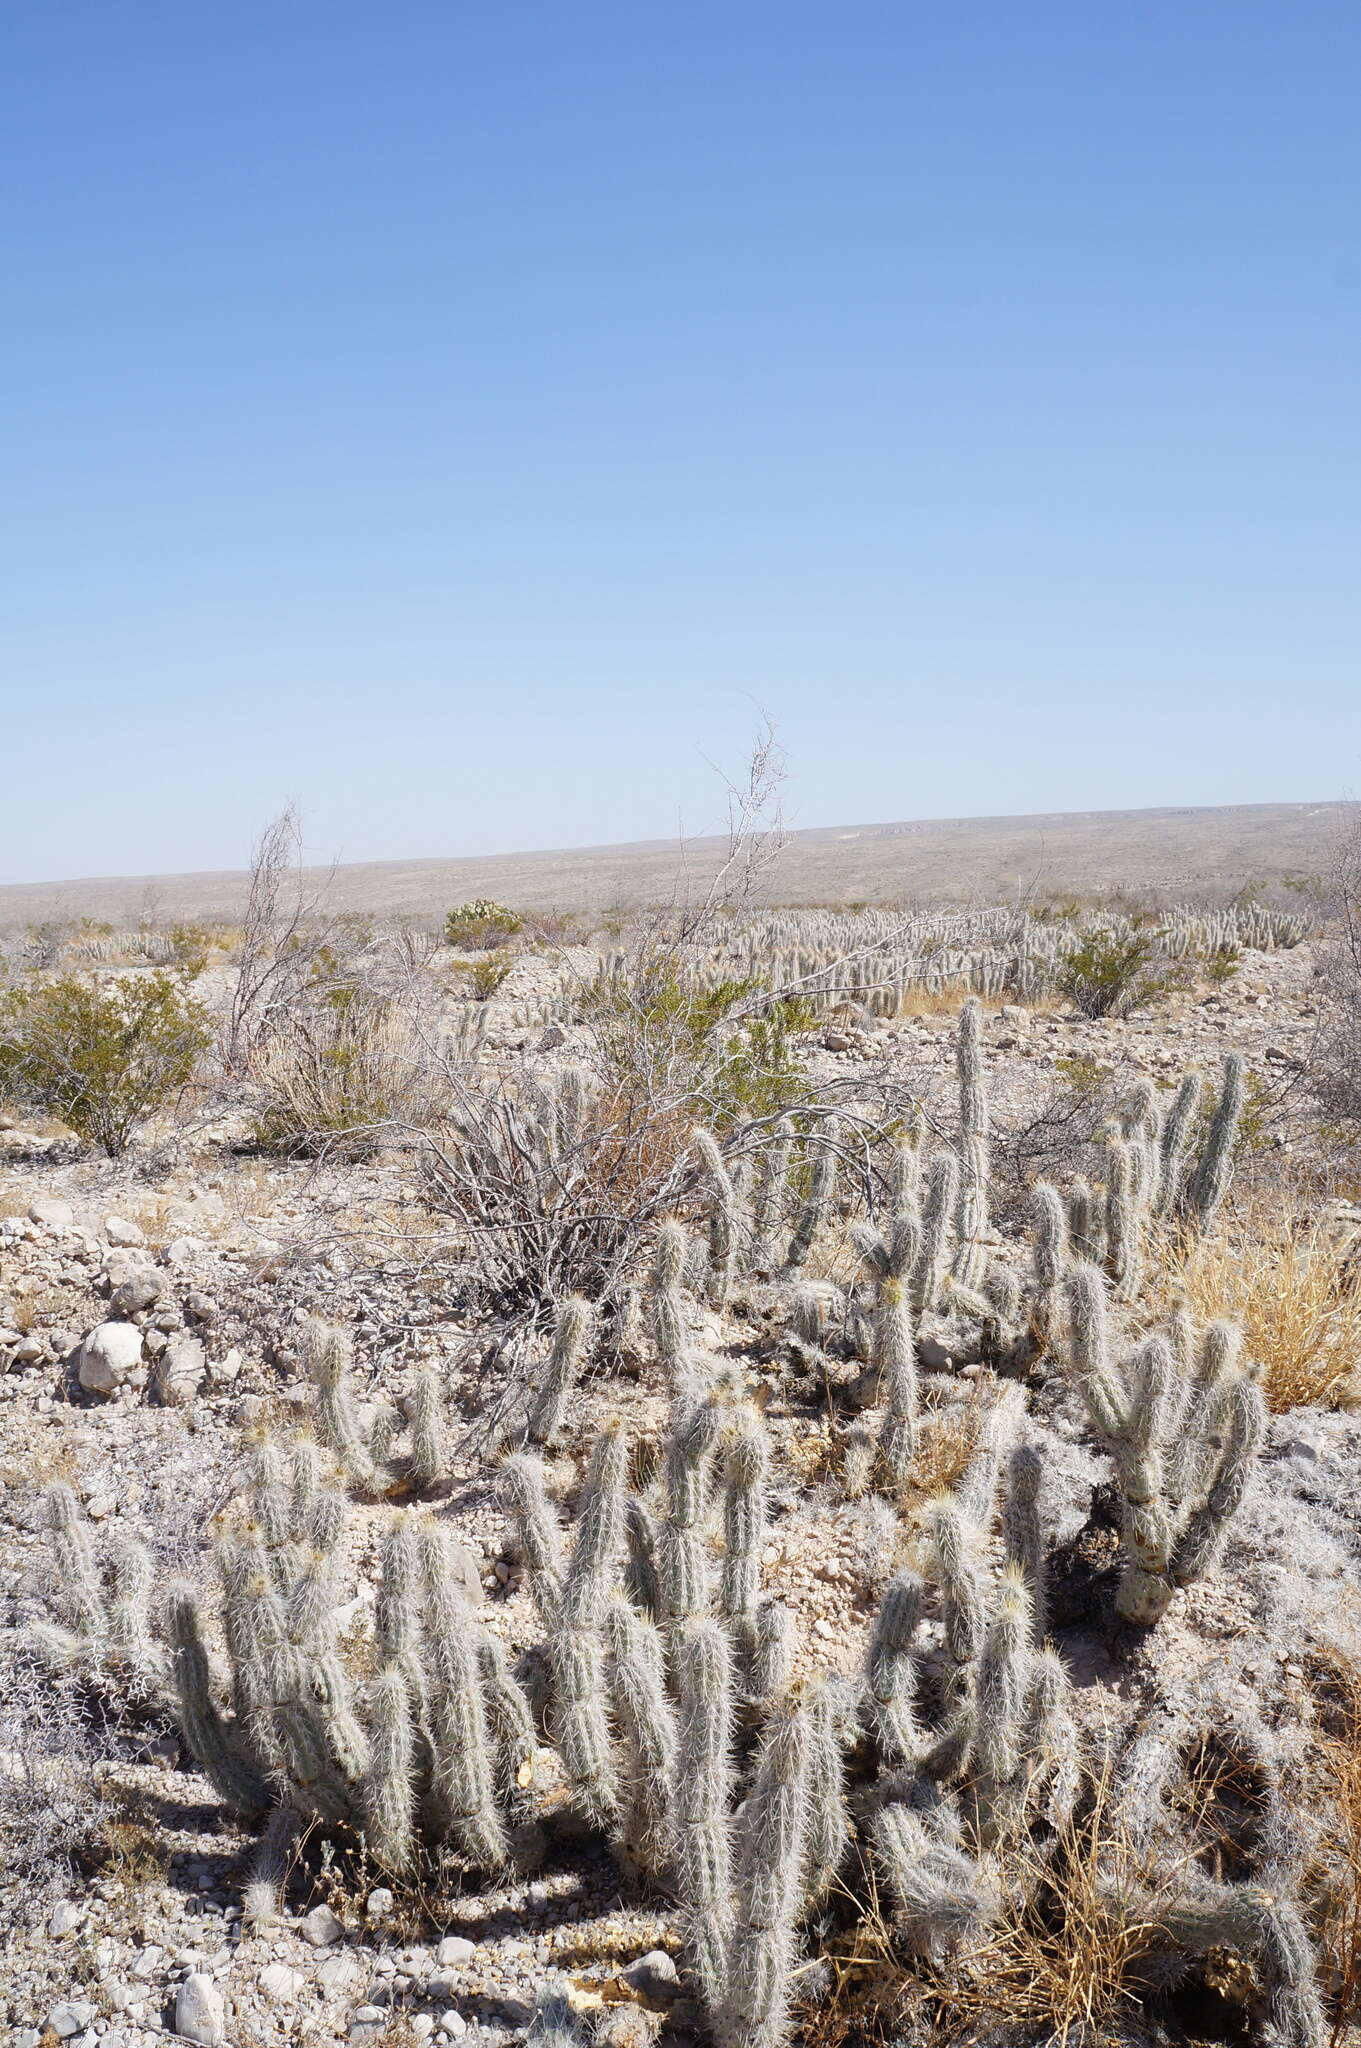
{"x": 460, "y": 417}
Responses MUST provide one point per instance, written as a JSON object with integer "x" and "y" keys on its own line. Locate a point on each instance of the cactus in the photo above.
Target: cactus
{"x": 1183, "y": 1455}
{"x": 554, "y": 2024}
{"x": 942, "y": 1197}
{"x": 769, "y": 1662}
{"x": 327, "y": 1358}
{"x": 1210, "y": 1180}
{"x": 702, "y": 1792}
{"x": 269, "y": 1866}
{"x": 1174, "y": 1154}
{"x": 666, "y": 1304}
{"x": 957, "y": 1577}
{"x": 213, "y": 1742}
{"x": 971, "y": 1216}
{"x": 537, "y": 1532}
{"x": 571, "y": 1333}
{"x": 891, "y": 1259}
{"x": 943, "y": 1900}
{"x": 891, "y": 1673}
{"x": 724, "y": 1216}
{"x": 817, "y": 1204}
{"x": 746, "y": 1454}
{"x": 684, "y": 1550}
{"x": 389, "y": 1789}
{"x": 1023, "y": 1530}
{"x": 831, "y": 1724}
{"x": 463, "y": 1778}
{"x": 644, "y": 1831}
{"x": 576, "y": 1646}
{"x": 1050, "y": 1259}
{"x": 754, "y": 2012}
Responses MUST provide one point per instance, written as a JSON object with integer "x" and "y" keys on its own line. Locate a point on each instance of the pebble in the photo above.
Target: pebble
{"x": 118, "y": 1230}
{"x": 321, "y": 1928}
{"x": 66, "y": 1916}
{"x": 71, "y": 2017}
{"x": 277, "y": 1980}
{"x": 455, "y": 1948}
{"x": 199, "y": 2014}
{"x": 653, "y": 1974}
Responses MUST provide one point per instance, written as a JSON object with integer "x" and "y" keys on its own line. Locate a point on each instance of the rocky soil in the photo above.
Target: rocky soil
{"x": 148, "y": 1317}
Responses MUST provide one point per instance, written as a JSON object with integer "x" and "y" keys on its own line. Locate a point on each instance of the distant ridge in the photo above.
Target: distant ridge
{"x": 929, "y": 861}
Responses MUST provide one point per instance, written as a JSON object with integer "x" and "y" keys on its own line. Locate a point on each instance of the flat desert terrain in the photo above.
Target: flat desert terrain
{"x": 930, "y": 861}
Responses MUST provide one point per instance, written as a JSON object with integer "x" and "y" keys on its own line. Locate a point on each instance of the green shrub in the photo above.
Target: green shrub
{"x": 480, "y": 926}
{"x": 660, "y": 1032}
{"x": 190, "y": 945}
{"x": 1223, "y": 964}
{"x": 1106, "y": 975}
{"x": 103, "y": 1057}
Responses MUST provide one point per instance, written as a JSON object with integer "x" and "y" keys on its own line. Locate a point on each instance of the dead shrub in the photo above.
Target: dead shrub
{"x": 338, "y": 1074}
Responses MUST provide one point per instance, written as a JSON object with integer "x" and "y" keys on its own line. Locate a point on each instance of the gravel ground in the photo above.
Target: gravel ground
{"x": 99, "y": 1949}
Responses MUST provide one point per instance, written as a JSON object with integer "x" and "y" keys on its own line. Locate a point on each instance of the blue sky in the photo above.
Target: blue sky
{"x": 461, "y": 418}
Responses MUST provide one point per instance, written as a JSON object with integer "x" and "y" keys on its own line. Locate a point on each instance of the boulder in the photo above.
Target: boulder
{"x": 110, "y": 1353}
{"x": 118, "y": 1230}
{"x": 139, "y": 1291}
{"x": 180, "y": 1371}
{"x": 51, "y": 1213}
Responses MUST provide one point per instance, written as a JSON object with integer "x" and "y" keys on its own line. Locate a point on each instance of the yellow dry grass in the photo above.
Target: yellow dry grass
{"x": 1066, "y": 1969}
{"x": 1338, "y": 1852}
{"x": 1293, "y": 1286}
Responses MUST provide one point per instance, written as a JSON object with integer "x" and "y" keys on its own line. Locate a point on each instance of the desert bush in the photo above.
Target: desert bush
{"x": 340, "y": 1071}
{"x": 1293, "y": 1284}
{"x": 50, "y": 1760}
{"x": 480, "y": 979}
{"x": 1223, "y": 964}
{"x": 103, "y": 1057}
{"x": 191, "y": 947}
{"x": 728, "y": 1051}
{"x": 481, "y": 926}
{"x": 1111, "y": 974}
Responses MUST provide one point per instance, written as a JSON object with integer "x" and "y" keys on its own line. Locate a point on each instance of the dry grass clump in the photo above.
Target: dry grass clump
{"x": 335, "y": 1075}
{"x": 1294, "y": 1287}
{"x": 944, "y": 1447}
{"x": 1338, "y": 1855}
{"x": 1057, "y": 1965}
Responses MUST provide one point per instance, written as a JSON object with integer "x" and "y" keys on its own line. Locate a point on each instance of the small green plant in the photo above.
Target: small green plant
{"x": 101, "y": 1057}
{"x": 481, "y": 926}
{"x": 1223, "y": 964}
{"x": 740, "y": 1056}
{"x": 1107, "y": 975}
{"x": 1083, "y": 1074}
{"x": 486, "y": 975}
{"x": 191, "y": 945}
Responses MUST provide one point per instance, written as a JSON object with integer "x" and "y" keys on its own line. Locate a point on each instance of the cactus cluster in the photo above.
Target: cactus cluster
{"x": 668, "y": 1708}
{"x": 1183, "y": 1432}
{"x": 364, "y": 1438}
